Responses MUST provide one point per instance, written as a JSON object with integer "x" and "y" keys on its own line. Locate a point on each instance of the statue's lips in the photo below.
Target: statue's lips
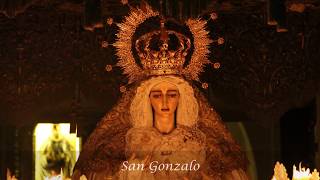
{"x": 165, "y": 110}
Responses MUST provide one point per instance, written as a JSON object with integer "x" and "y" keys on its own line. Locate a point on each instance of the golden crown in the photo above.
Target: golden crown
{"x": 154, "y": 48}
{"x": 162, "y": 59}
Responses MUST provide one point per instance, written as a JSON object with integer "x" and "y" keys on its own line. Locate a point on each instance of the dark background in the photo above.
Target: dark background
{"x": 52, "y": 69}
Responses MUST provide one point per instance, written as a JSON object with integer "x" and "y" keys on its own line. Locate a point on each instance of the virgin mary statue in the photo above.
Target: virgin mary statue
{"x": 162, "y": 128}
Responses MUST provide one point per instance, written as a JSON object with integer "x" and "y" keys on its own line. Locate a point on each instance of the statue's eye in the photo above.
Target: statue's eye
{"x": 172, "y": 95}
{"x": 156, "y": 95}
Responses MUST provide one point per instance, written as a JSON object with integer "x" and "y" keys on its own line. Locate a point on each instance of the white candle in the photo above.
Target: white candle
{"x": 61, "y": 173}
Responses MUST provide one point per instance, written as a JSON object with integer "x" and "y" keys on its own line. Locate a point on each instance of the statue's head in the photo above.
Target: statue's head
{"x": 164, "y": 98}
{"x": 165, "y": 95}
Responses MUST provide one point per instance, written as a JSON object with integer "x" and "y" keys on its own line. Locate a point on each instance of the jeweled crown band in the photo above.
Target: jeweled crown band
{"x": 162, "y": 61}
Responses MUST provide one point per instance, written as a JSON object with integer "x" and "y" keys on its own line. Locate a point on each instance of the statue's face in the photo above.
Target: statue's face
{"x": 164, "y": 98}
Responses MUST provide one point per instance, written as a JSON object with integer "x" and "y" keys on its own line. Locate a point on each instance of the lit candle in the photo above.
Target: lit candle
{"x": 302, "y": 174}
{"x": 315, "y": 175}
{"x": 280, "y": 172}
{"x": 61, "y": 173}
{"x": 8, "y": 174}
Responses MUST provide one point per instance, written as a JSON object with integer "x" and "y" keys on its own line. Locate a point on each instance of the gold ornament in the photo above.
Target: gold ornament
{"x": 108, "y": 68}
{"x": 201, "y": 48}
{"x": 166, "y": 60}
{"x": 104, "y": 44}
{"x": 205, "y": 85}
{"x": 123, "y": 89}
{"x": 214, "y": 16}
{"x": 124, "y": 2}
{"x": 216, "y": 65}
{"x": 109, "y": 21}
{"x": 220, "y": 40}
{"x": 123, "y": 44}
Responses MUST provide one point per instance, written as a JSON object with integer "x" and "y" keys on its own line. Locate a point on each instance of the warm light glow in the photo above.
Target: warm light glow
{"x": 301, "y": 174}
{"x": 315, "y": 175}
{"x": 280, "y": 172}
{"x": 42, "y": 134}
{"x": 61, "y": 172}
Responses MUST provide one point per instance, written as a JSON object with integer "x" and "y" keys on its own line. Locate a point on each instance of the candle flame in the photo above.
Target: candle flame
{"x": 61, "y": 173}
{"x": 315, "y": 175}
{"x": 302, "y": 173}
{"x": 280, "y": 172}
{"x": 8, "y": 174}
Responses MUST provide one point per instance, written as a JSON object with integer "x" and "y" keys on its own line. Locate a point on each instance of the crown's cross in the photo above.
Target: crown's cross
{"x": 163, "y": 33}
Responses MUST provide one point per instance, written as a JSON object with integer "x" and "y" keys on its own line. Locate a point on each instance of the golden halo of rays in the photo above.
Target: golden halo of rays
{"x": 124, "y": 38}
{"x": 201, "y": 44}
{"x": 128, "y": 27}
